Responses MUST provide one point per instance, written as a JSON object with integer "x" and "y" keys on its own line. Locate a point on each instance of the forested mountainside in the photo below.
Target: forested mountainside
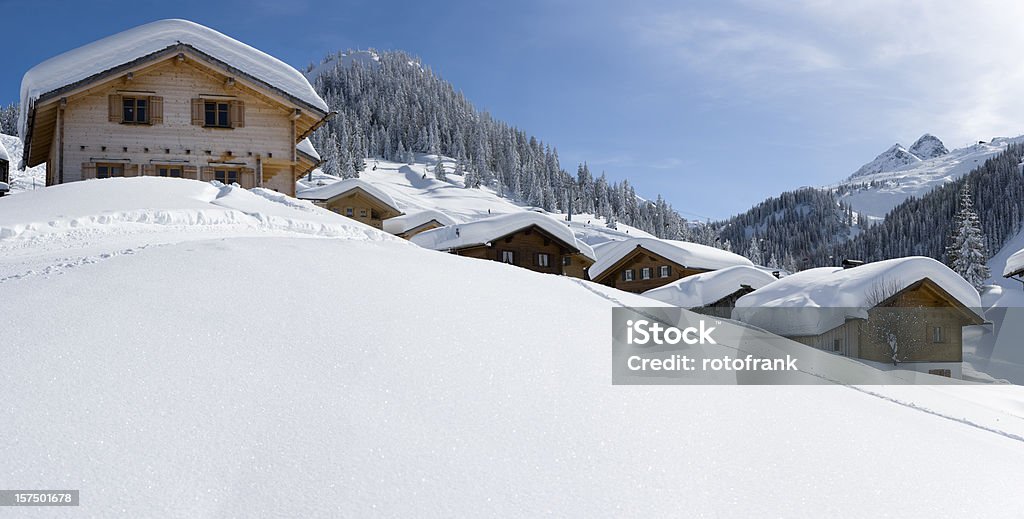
{"x": 922, "y": 226}
{"x": 799, "y": 228}
{"x": 812, "y": 227}
{"x": 390, "y": 105}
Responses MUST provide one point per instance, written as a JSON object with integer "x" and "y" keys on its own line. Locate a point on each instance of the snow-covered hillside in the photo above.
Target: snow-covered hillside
{"x": 415, "y": 189}
{"x": 22, "y": 180}
{"x": 899, "y": 173}
{"x": 182, "y": 349}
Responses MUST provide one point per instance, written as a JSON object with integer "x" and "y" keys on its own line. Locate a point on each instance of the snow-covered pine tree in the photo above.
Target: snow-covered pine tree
{"x": 439, "y": 172}
{"x": 754, "y": 251}
{"x": 967, "y": 252}
{"x": 9, "y": 119}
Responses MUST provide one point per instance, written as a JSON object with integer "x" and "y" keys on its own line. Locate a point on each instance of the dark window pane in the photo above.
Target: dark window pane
{"x": 129, "y": 111}
{"x": 163, "y": 172}
{"x": 222, "y": 114}
{"x": 101, "y": 172}
{"x": 140, "y": 113}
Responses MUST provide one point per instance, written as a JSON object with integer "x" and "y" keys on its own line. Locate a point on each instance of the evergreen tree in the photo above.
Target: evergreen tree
{"x": 9, "y": 119}
{"x": 754, "y": 251}
{"x": 439, "y": 172}
{"x": 967, "y": 252}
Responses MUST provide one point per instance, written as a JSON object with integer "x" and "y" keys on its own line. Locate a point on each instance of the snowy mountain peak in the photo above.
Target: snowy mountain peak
{"x": 893, "y": 158}
{"x": 927, "y": 147}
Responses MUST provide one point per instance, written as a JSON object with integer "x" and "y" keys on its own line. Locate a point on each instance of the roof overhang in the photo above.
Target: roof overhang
{"x": 42, "y": 114}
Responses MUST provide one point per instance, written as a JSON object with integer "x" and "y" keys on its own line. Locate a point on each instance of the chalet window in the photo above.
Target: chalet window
{"x": 350, "y": 212}
{"x": 109, "y": 170}
{"x": 543, "y": 260}
{"x": 218, "y": 114}
{"x": 940, "y": 372}
{"x": 226, "y": 176}
{"x": 362, "y": 213}
{"x": 165, "y": 171}
{"x": 645, "y": 273}
{"x": 627, "y": 275}
{"x": 135, "y": 110}
{"x": 664, "y": 271}
{"x": 508, "y": 256}
{"x": 837, "y": 345}
{"x": 937, "y": 334}
{"x": 566, "y": 260}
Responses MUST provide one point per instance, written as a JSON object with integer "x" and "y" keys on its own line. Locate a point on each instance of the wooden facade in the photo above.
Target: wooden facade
{"x": 153, "y": 117}
{"x": 642, "y": 270}
{"x": 535, "y": 249}
{"x": 360, "y": 205}
{"x": 938, "y": 325}
{"x": 723, "y": 307}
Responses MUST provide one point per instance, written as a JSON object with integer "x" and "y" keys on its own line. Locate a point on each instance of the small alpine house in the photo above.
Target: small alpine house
{"x": 356, "y": 199}
{"x": 529, "y": 240}
{"x": 170, "y": 98}
{"x": 641, "y": 264}
{"x": 903, "y": 313}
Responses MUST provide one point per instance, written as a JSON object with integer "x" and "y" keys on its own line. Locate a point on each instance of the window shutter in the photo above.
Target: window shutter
{"x": 115, "y": 113}
{"x": 207, "y": 174}
{"x": 88, "y": 170}
{"x": 237, "y": 114}
{"x": 156, "y": 110}
{"x": 190, "y": 172}
{"x": 247, "y": 178}
{"x": 197, "y": 112}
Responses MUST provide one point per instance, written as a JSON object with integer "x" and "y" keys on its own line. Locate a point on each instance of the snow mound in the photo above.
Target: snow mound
{"x": 481, "y": 232}
{"x": 119, "y": 205}
{"x": 707, "y": 287}
{"x": 3, "y": 153}
{"x": 332, "y": 190}
{"x": 844, "y": 293}
{"x": 693, "y": 255}
{"x": 400, "y": 224}
{"x": 124, "y": 47}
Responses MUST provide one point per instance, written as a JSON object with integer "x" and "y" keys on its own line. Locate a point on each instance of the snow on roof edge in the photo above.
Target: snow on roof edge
{"x": 482, "y": 231}
{"x": 335, "y": 189}
{"x": 684, "y": 253}
{"x": 108, "y": 53}
{"x": 708, "y": 287}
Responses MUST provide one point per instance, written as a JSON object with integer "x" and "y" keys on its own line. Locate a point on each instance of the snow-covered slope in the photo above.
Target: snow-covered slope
{"x": 212, "y": 356}
{"x": 414, "y": 189}
{"x": 898, "y": 173}
{"x": 22, "y": 180}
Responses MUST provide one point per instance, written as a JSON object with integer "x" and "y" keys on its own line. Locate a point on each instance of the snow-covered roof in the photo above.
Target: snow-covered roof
{"x": 708, "y": 287}
{"x": 306, "y": 146}
{"x": 3, "y": 153}
{"x": 340, "y": 188}
{"x": 844, "y": 293}
{"x": 687, "y": 254}
{"x": 480, "y": 232}
{"x": 406, "y": 222}
{"x": 127, "y": 46}
{"x": 1014, "y": 264}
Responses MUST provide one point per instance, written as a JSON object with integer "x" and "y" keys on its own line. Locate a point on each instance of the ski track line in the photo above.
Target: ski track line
{"x": 893, "y": 400}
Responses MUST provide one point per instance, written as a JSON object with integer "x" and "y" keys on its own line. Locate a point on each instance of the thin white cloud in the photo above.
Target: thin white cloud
{"x": 898, "y": 68}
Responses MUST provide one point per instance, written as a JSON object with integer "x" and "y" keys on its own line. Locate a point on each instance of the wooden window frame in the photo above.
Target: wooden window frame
{"x": 109, "y": 165}
{"x": 543, "y": 260}
{"x": 942, "y": 372}
{"x": 628, "y": 275}
{"x": 646, "y": 273}
{"x": 566, "y": 261}
{"x": 511, "y": 256}
{"x": 164, "y": 167}
{"x": 938, "y": 335}
{"x": 363, "y": 213}
{"x": 217, "y": 112}
{"x": 226, "y": 174}
{"x": 350, "y": 212}
{"x": 664, "y": 271}
{"x": 837, "y": 345}
{"x": 134, "y": 101}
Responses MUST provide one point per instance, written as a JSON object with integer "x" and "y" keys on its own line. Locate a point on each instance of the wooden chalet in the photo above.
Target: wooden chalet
{"x": 173, "y": 99}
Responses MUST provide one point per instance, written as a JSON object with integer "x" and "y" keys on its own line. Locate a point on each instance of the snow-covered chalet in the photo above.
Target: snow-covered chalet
{"x": 170, "y": 98}
{"x": 641, "y": 264}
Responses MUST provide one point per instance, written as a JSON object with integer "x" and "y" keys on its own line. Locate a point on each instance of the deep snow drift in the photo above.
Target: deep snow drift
{"x": 180, "y": 349}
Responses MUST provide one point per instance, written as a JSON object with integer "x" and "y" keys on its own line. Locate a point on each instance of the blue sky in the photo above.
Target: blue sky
{"x": 716, "y": 105}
